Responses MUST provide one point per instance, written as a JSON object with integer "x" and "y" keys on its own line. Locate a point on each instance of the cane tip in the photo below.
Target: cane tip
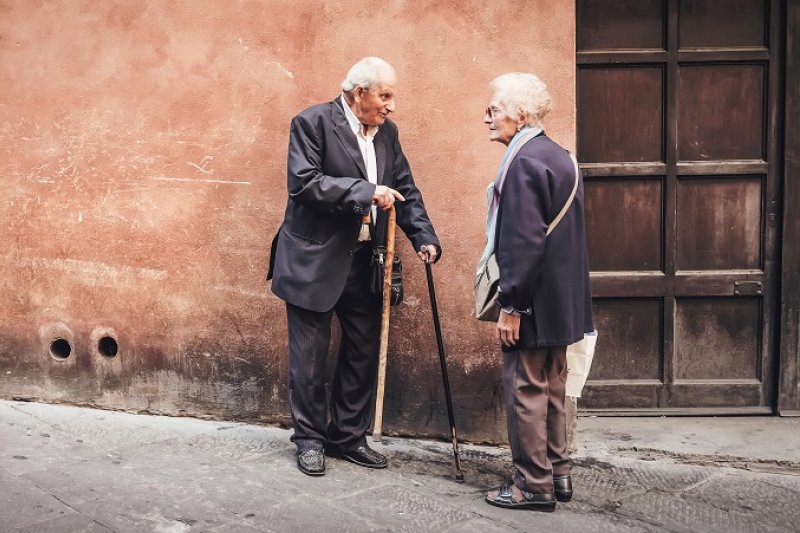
{"x": 460, "y": 477}
{"x": 376, "y": 437}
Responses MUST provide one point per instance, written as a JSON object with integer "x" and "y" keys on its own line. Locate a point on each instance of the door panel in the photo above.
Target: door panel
{"x": 638, "y": 132}
{"x": 632, "y": 344}
{"x": 621, "y": 239}
{"x": 678, "y": 152}
{"x": 618, "y": 24}
{"x": 719, "y": 226}
{"x": 717, "y": 338}
{"x": 722, "y": 23}
{"x": 720, "y": 112}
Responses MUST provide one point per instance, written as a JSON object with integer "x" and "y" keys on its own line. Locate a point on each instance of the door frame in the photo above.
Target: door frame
{"x": 788, "y": 403}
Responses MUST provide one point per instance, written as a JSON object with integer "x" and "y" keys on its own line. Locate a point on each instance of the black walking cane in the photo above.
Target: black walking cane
{"x": 443, "y": 363}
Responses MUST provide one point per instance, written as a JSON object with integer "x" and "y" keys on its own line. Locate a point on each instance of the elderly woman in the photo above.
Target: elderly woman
{"x": 544, "y": 288}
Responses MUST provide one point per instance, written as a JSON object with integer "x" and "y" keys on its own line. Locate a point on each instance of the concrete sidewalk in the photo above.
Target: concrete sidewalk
{"x": 65, "y": 469}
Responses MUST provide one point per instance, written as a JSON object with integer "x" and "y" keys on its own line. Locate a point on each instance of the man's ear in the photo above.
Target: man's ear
{"x": 358, "y": 93}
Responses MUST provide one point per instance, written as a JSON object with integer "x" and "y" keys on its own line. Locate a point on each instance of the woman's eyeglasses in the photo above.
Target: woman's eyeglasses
{"x": 493, "y": 111}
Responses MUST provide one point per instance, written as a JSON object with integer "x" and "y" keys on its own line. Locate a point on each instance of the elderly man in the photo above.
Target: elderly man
{"x": 345, "y": 169}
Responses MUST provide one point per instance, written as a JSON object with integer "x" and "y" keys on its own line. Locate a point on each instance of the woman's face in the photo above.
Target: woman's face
{"x": 502, "y": 127}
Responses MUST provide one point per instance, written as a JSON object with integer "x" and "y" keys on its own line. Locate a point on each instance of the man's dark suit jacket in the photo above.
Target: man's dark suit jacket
{"x": 328, "y": 196}
{"x": 549, "y": 274}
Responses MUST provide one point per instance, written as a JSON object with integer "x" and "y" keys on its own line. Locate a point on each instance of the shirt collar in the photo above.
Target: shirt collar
{"x": 355, "y": 125}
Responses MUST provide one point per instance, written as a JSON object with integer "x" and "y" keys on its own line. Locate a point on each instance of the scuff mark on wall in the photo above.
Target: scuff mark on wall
{"x": 191, "y": 180}
{"x": 94, "y": 273}
{"x": 284, "y": 70}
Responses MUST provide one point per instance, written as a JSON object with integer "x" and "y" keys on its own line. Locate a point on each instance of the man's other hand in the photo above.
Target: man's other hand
{"x": 428, "y": 253}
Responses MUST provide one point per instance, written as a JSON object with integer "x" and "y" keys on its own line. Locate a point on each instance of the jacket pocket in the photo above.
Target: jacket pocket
{"x": 304, "y": 238}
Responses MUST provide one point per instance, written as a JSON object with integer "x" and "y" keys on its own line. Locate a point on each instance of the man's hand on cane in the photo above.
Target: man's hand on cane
{"x": 385, "y": 197}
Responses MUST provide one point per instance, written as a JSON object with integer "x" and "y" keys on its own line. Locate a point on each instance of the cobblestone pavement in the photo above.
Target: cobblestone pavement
{"x": 67, "y": 469}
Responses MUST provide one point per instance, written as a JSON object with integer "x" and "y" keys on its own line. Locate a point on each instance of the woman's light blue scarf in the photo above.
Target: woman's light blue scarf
{"x": 495, "y": 188}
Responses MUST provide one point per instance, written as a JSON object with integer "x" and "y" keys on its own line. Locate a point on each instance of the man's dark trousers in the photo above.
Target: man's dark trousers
{"x": 352, "y": 393}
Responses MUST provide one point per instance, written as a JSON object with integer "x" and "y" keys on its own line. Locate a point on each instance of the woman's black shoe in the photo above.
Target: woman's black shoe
{"x": 562, "y": 486}
{"x": 531, "y": 501}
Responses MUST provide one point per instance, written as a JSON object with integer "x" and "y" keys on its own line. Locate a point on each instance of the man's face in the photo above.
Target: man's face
{"x": 373, "y": 106}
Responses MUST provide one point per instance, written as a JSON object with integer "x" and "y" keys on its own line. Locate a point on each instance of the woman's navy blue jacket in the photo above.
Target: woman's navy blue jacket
{"x": 548, "y": 275}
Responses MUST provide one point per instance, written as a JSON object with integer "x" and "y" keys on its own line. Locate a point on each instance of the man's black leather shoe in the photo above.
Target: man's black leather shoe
{"x": 562, "y": 486}
{"x": 363, "y": 455}
{"x": 311, "y": 462}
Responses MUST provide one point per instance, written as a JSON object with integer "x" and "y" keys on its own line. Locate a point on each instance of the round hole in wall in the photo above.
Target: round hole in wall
{"x": 108, "y": 346}
{"x": 60, "y": 349}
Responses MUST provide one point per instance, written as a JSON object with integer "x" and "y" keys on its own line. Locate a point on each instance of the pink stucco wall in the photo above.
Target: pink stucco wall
{"x": 142, "y": 176}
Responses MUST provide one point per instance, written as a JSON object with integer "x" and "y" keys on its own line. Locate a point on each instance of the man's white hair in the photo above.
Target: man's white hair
{"x": 522, "y": 93}
{"x": 368, "y": 73}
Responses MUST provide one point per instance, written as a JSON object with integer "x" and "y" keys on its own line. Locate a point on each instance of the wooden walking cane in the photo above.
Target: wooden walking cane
{"x": 387, "y": 292}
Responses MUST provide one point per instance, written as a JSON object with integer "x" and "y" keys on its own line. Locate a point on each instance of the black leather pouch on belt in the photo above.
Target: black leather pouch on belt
{"x": 376, "y": 281}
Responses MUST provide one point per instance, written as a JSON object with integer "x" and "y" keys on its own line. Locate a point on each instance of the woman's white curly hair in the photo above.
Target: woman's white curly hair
{"x": 522, "y": 93}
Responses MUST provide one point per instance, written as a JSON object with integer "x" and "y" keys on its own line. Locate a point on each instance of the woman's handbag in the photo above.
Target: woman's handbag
{"x": 487, "y": 283}
{"x": 487, "y": 280}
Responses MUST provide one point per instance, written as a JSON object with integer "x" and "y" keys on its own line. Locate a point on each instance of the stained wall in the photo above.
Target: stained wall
{"x": 142, "y": 176}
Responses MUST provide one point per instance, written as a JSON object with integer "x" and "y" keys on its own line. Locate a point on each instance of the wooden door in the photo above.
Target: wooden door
{"x": 677, "y": 125}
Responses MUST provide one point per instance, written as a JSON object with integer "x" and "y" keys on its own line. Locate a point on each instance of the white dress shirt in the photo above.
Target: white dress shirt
{"x": 366, "y": 145}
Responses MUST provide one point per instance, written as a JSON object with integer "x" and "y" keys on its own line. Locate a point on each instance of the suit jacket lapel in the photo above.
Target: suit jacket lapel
{"x": 346, "y": 136}
{"x": 380, "y": 156}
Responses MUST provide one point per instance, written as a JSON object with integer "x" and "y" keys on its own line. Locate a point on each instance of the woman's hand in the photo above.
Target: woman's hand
{"x": 508, "y": 328}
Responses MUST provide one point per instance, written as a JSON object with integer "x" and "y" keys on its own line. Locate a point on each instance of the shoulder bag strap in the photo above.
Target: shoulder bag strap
{"x": 564, "y": 210}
